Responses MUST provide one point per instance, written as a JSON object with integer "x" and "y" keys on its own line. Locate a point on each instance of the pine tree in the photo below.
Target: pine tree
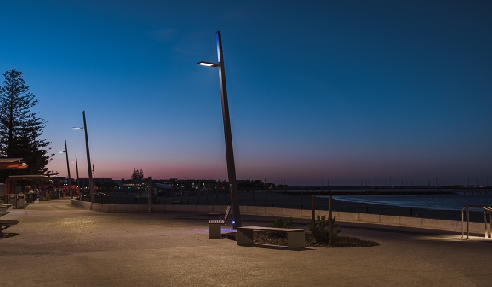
{"x": 137, "y": 174}
{"x": 20, "y": 129}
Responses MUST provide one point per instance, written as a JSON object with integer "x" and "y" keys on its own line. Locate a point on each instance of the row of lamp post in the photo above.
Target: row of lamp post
{"x": 91, "y": 180}
{"x": 231, "y": 168}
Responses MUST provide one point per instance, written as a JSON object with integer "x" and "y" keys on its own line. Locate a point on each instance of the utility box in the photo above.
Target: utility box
{"x": 21, "y": 200}
{"x": 12, "y": 199}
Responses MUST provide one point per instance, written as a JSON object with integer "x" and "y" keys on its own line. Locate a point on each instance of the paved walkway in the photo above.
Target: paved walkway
{"x": 56, "y": 244}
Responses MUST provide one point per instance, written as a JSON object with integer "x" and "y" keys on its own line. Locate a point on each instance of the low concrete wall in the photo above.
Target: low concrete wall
{"x": 83, "y": 204}
{"x": 449, "y": 225}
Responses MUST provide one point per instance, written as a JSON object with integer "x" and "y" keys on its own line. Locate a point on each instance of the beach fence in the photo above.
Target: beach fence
{"x": 261, "y": 198}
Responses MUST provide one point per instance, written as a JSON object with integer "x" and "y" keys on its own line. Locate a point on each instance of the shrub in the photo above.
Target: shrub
{"x": 320, "y": 232}
{"x": 279, "y": 222}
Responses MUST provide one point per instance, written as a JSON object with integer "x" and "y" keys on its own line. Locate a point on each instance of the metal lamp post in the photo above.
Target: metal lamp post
{"x": 231, "y": 168}
{"x": 78, "y": 183}
{"x": 89, "y": 170}
{"x": 68, "y": 169}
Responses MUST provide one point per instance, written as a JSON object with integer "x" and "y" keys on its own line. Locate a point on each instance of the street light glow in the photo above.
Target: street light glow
{"x": 207, "y": 64}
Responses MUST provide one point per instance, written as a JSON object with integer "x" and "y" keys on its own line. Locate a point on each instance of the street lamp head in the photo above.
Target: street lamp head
{"x": 61, "y": 151}
{"x": 78, "y": 128}
{"x": 207, "y": 64}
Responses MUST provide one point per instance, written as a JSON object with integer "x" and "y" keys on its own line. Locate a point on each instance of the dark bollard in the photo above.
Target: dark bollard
{"x": 272, "y": 204}
{"x": 330, "y": 220}
{"x": 411, "y": 211}
{"x": 313, "y": 208}
{"x": 302, "y": 206}
{"x": 367, "y": 209}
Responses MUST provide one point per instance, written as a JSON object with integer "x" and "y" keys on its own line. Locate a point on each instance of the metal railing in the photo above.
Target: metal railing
{"x": 487, "y": 210}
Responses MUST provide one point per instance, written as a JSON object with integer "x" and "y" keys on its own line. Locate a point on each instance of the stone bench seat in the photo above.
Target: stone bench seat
{"x": 296, "y": 237}
{"x": 4, "y": 224}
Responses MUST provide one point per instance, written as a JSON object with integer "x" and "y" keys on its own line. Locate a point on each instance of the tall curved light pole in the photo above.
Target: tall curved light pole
{"x": 91, "y": 180}
{"x": 231, "y": 167}
{"x": 78, "y": 182}
{"x": 68, "y": 169}
{"x": 69, "y": 175}
{"x": 89, "y": 170}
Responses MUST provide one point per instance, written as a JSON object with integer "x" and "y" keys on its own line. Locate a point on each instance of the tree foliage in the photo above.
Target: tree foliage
{"x": 280, "y": 222}
{"x": 20, "y": 128}
{"x": 320, "y": 233}
{"x": 137, "y": 174}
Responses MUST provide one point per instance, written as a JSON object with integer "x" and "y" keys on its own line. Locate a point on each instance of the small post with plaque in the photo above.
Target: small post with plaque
{"x": 149, "y": 196}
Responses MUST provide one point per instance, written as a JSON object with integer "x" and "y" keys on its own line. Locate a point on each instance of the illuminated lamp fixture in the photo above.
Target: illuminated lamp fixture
{"x": 207, "y": 64}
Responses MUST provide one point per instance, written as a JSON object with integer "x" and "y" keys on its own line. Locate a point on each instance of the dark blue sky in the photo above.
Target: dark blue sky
{"x": 346, "y": 91}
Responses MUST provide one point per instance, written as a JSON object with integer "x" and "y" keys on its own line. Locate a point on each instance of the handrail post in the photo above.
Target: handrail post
{"x": 487, "y": 227}
{"x": 487, "y": 210}
{"x": 490, "y": 222}
{"x": 149, "y": 195}
{"x": 462, "y": 219}
{"x": 485, "y": 220}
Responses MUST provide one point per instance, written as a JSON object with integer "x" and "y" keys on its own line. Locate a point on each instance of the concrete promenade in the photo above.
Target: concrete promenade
{"x": 57, "y": 244}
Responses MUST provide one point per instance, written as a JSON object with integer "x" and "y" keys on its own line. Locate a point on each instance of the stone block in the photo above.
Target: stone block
{"x": 158, "y": 208}
{"x": 173, "y": 208}
{"x": 188, "y": 208}
{"x": 273, "y": 211}
{"x": 112, "y": 208}
{"x": 204, "y": 208}
{"x": 389, "y": 220}
{"x": 371, "y": 218}
{"x": 219, "y": 209}
{"x": 411, "y": 221}
{"x": 348, "y": 217}
{"x": 95, "y": 206}
{"x": 256, "y": 210}
{"x": 290, "y": 212}
{"x": 243, "y": 209}
{"x": 103, "y": 208}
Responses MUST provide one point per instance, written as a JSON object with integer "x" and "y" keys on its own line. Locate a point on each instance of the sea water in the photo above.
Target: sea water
{"x": 453, "y": 201}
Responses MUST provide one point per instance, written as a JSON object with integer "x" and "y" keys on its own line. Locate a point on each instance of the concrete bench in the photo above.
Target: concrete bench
{"x": 296, "y": 237}
{"x": 3, "y": 210}
{"x": 8, "y": 205}
{"x": 4, "y": 224}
